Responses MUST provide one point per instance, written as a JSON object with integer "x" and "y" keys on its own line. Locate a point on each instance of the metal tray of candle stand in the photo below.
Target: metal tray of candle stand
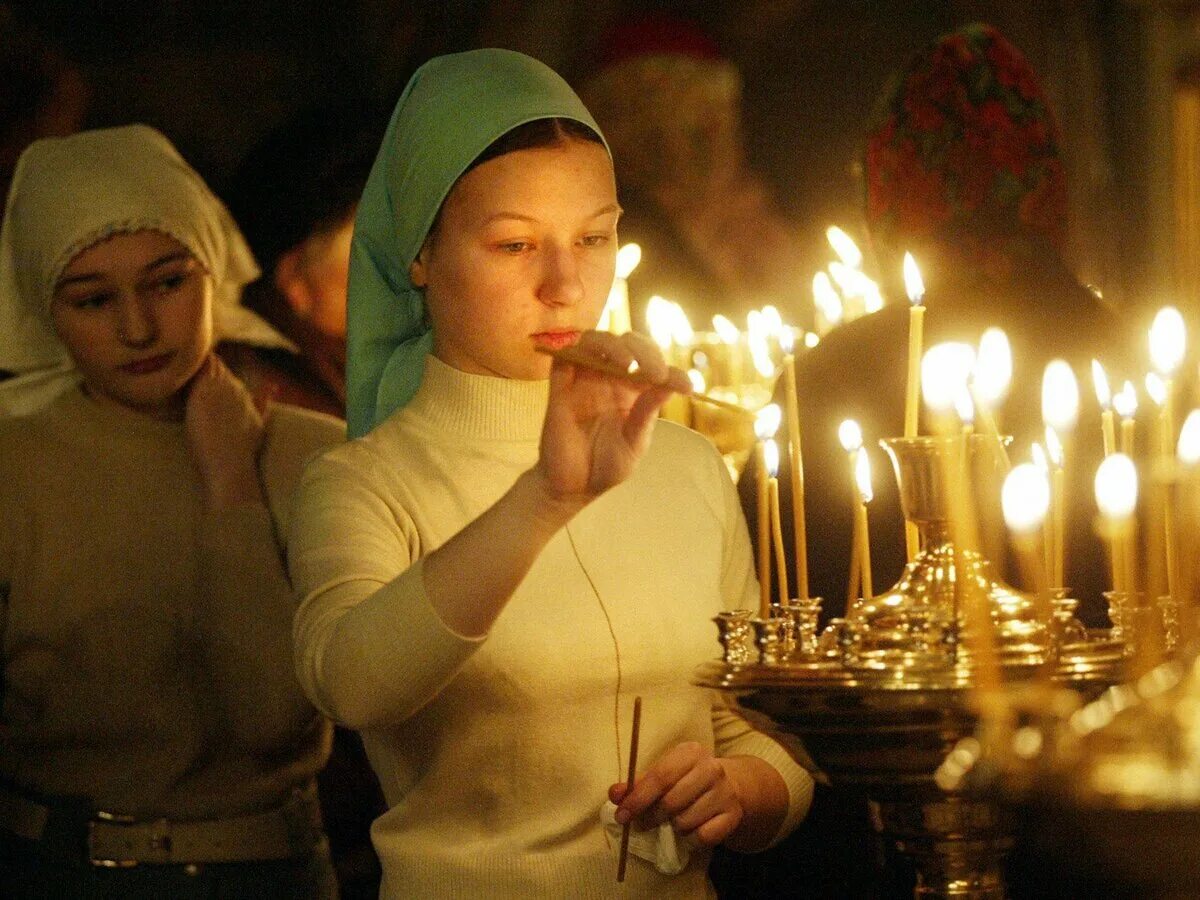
{"x": 884, "y": 695}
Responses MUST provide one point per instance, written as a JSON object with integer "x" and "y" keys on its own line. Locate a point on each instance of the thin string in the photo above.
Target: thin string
{"x": 616, "y": 645}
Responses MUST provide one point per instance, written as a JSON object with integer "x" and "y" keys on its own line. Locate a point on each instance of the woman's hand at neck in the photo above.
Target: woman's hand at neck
{"x": 224, "y": 433}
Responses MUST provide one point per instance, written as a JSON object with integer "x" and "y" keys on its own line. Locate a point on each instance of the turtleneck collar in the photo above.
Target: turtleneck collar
{"x": 480, "y": 406}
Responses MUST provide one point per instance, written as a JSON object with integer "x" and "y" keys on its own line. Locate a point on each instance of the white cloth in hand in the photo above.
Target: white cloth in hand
{"x": 660, "y": 846}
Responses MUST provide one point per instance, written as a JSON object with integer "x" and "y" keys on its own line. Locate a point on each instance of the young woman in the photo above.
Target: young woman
{"x": 153, "y": 739}
{"x": 512, "y": 550}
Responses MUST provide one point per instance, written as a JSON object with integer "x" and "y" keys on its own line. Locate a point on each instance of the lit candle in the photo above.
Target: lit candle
{"x": 615, "y": 317}
{"x": 766, "y": 423}
{"x": 989, "y": 385}
{"x": 1025, "y": 498}
{"x": 771, "y": 458}
{"x": 1060, "y": 412}
{"x": 1058, "y": 511}
{"x": 830, "y": 309}
{"x": 671, "y": 331}
{"x": 799, "y": 528}
{"x": 1043, "y": 465}
{"x": 844, "y": 246}
{"x": 1125, "y": 403}
{"x": 732, "y": 339}
{"x": 1188, "y": 453}
{"x": 916, "y": 319}
{"x": 1168, "y": 340}
{"x": 862, "y": 481}
{"x": 850, "y": 436}
{"x": 1116, "y": 496}
{"x": 1104, "y": 398}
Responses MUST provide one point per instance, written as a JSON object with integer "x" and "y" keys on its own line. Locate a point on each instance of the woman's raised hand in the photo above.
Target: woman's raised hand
{"x": 224, "y": 432}
{"x": 598, "y": 426}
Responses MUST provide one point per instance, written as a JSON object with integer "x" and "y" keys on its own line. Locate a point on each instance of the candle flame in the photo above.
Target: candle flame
{"x": 844, "y": 246}
{"x": 1116, "y": 486}
{"x": 658, "y": 321}
{"x": 772, "y": 320}
{"x": 1125, "y": 401}
{"x": 993, "y": 367}
{"x": 945, "y": 369}
{"x": 1188, "y": 448}
{"x": 964, "y": 405}
{"x": 873, "y": 299}
{"x": 1100, "y": 380}
{"x": 628, "y": 258}
{"x": 771, "y": 457}
{"x": 811, "y": 339}
{"x": 1060, "y": 396}
{"x": 1039, "y": 457}
{"x": 862, "y": 475}
{"x": 1168, "y": 339}
{"x": 828, "y": 303}
{"x": 1025, "y": 498}
{"x": 850, "y": 435}
{"x": 1156, "y": 388}
{"x": 1054, "y": 447}
{"x": 696, "y": 377}
{"x": 725, "y": 329}
{"x": 760, "y": 353}
{"x": 787, "y": 339}
{"x": 767, "y": 420}
{"x": 913, "y": 285}
{"x": 681, "y": 328}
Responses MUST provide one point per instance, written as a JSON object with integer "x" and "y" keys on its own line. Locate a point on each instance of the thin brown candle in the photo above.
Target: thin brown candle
{"x": 633, "y": 753}
{"x": 771, "y": 458}
{"x": 799, "y": 528}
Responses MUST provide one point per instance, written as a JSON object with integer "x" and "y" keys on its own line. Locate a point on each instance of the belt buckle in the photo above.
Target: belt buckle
{"x": 109, "y": 818}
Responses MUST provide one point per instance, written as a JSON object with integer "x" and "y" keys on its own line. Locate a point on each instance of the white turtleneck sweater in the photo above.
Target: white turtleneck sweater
{"x": 496, "y": 754}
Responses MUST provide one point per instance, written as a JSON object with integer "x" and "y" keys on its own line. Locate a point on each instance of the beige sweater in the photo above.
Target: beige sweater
{"x": 146, "y": 642}
{"x": 496, "y": 755}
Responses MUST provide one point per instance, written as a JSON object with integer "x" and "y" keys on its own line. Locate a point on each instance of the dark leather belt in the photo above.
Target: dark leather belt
{"x": 113, "y": 840}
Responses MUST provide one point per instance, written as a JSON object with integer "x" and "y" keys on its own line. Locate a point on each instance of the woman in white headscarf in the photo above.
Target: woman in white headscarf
{"x": 153, "y": 739}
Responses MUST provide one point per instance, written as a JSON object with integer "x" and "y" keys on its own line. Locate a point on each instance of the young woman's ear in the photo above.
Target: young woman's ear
{"x": 418, "y": 270}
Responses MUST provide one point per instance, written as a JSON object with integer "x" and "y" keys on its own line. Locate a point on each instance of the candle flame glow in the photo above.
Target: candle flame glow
{"x": 844, "y": 246}
{"x": 628, "y": 258}
{"x": 850, "y": 435}
{"x": 1060, "y": 396}
{"x": 1168, "y": 339}
{"x": 725, "y": 329}
{"x": 772, "y": 320}
{"x": 1054, "y": 447}
{"x": 658, "y": 321}
{"x": 696, "y": 377}
{"x": 862, "y": 475}
{"x": 913, "y": 285}
{"x": 1125, "y": 401}
{"x": 1156, "y": 388}
{"x": 787, "y": 339}
{"x": 1116, "y": 486}
{"x": 964, "y": 405}
{"x": 771, "y": 457}
{"x": 828, "y": 303}
{"x": 1039, "y": 457}
{"x": 811, "y": 339}
{"x": 945, "y": 369}
{"x": 767, "y": 421}
{"x": 1188, "y": 448}
{"x": 993, "y": 367}
{"x": 1025, "y": 498}
{"x": 1100, "y": 380}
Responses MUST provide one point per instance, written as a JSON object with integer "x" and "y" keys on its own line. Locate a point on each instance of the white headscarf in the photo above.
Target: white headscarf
{"x": 69, "y": 193}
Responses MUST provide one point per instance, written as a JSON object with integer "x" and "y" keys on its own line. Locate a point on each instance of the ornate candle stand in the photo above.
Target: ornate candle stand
{"x": 886, "y": 694}
{"x": 1108, "y": 794}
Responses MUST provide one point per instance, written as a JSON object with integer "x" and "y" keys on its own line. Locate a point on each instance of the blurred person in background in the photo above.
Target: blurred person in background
{"x": 712, "y": 236}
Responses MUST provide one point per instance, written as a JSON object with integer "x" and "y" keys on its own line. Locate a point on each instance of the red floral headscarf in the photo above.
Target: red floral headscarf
{"x": 964, "y": 152}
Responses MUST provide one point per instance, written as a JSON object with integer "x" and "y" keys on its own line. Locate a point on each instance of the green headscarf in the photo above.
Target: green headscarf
{"x": 452, "y": 109}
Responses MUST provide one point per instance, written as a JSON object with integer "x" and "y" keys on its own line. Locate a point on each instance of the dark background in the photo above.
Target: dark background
{"x": 215, "y": 75}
